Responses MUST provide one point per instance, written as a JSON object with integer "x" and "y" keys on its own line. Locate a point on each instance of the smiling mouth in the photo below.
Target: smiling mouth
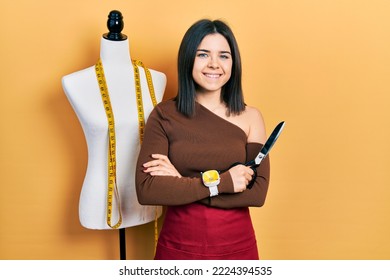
{"x": 213, "y": 76}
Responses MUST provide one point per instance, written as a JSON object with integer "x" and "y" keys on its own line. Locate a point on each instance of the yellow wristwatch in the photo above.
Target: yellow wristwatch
{"x": 211, "y": 180}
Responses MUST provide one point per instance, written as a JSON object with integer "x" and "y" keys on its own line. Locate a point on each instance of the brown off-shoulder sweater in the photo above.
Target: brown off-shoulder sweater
{"x": 193, "y": 145}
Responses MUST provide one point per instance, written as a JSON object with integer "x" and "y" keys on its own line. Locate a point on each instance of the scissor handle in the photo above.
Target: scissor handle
{"x": 253, "y": 166}
{"x": 250, "y": 163}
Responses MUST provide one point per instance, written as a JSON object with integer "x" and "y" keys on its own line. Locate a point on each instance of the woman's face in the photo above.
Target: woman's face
{"x": 213, "y": 64}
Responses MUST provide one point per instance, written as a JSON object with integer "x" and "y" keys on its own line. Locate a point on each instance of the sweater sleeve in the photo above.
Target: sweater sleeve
{"x": 251, "y": 197}
{"x": 167, "y": 190}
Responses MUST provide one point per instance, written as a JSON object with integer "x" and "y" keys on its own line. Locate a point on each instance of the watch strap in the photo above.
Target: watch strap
{"x": 213, "y": 191}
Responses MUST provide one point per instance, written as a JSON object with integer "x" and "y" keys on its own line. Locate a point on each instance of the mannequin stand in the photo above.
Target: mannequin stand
{"x": 122, "y": 243}
{"x": 80, "y": 88}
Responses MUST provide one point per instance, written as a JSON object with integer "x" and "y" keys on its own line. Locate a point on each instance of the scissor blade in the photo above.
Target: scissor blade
{"x": 269, "y": 143}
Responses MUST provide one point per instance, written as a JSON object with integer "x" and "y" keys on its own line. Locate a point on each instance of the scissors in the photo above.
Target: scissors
{"x": 263, "y": 153}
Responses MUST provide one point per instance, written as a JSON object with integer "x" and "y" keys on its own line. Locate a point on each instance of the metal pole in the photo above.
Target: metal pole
{"x": 122, "y": 243}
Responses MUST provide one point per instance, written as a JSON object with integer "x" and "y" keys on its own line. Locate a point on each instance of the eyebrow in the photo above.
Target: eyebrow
{"x": 207, "y": 51}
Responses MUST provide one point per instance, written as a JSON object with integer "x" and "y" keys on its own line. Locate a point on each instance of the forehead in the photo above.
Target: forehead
{"x": 214, "y": 42}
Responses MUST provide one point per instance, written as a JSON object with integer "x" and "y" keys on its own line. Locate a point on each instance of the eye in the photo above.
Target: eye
{"x": 225, "y": 56}
{"x": 202, "y": 54}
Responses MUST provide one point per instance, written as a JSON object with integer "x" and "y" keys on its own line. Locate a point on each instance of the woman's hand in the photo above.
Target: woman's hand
{"x": 160, "y": 166}
{"x": 241, "y": 176}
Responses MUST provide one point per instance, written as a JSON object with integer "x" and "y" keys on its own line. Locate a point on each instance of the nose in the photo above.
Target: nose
{"x": 213, "y": 62}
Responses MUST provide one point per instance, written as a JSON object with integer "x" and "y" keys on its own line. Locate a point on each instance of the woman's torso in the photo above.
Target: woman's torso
{"x": 205, "y": 142}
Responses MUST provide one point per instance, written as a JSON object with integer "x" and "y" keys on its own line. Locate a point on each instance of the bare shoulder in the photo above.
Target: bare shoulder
{"x": 254, "y": 118}
{"x": 253, "y": 112}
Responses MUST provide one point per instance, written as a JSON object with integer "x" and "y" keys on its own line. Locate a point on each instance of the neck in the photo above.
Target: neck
{"x": 208, "y": 97}
{"x": 115, "y": 51}
{"x": 210, "y": 101}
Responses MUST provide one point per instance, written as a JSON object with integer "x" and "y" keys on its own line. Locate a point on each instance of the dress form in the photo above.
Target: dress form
{"x": 82, "y": 91}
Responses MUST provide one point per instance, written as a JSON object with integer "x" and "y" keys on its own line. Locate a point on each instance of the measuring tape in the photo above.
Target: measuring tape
{"x": 138, "y": 90}
{"x": 141, "y": 118}
{"x": 112, "y": 188}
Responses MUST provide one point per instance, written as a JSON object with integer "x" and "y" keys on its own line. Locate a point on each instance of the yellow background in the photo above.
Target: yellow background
{"x": 322, "y": 66}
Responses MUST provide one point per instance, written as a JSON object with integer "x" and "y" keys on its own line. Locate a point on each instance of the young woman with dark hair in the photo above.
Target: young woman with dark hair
{"x": 231, "y": 91}
{"x": 190, "y": 144}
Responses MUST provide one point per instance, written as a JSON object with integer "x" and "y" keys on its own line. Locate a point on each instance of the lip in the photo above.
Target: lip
{"x": 212, "y": 75}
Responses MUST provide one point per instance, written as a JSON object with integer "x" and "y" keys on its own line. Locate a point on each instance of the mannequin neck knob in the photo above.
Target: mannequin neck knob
{"x": 115, "y": 26}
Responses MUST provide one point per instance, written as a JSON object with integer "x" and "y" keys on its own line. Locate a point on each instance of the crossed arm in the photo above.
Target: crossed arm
{"x": 158, "y": 181}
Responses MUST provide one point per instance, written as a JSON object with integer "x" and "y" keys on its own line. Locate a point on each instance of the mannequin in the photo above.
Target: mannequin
{"x": 82, "y": 91}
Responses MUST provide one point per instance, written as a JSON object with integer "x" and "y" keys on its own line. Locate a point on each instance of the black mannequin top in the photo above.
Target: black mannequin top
{"x": 115, "y": 26}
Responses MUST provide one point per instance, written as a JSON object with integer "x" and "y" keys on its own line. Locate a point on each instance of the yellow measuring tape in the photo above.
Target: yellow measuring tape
{"x": 112, "y": 186}
{"x": 141, "y": 117}
{"x": 140, "y": 106}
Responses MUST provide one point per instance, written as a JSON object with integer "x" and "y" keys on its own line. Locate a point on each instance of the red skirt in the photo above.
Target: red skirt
{"x": 198, "y": 232}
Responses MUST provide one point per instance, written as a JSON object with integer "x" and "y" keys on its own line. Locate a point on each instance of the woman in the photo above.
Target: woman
{"x": 206, "y": 127}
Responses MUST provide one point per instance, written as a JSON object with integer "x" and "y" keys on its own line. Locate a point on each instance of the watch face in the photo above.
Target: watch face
{"x": 210, "y": 177}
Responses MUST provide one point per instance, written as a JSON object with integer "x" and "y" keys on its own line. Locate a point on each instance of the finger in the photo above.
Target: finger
{"x": 157, "y": 162}
{"x": 150, "y": 164}
{"x": 157, "y": 168}
{"x": 251, "y": 171}
{"x": 161, "y": 157}
{"x": 160, "y": 173}
{"x": 162, "y": 160}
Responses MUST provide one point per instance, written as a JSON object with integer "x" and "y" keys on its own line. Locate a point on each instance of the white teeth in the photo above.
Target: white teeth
{"x": 212, "y": 75}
